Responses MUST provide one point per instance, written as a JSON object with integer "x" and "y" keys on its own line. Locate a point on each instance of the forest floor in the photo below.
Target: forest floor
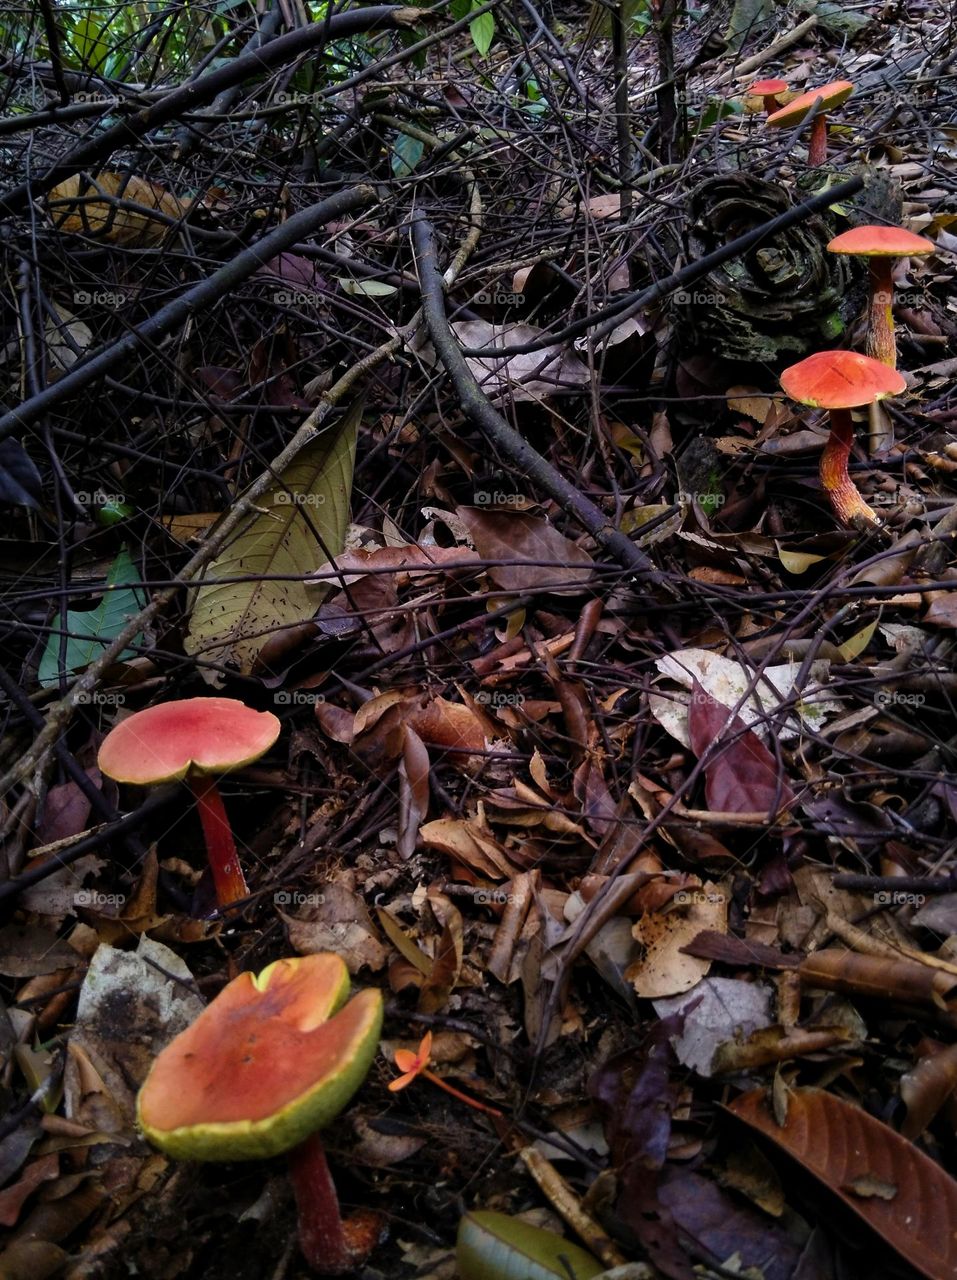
{"x": 606, "y": 751}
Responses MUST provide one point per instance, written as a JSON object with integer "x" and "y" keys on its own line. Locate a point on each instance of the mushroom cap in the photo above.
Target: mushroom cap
{"x": 881, "y": 242}
{"x": 832, "y": 95}
{"x": 162, "y": 743}
{"x": 840, "y": 380}
{"x": 767, "y": 87}
{"x": 270, "y": 1060}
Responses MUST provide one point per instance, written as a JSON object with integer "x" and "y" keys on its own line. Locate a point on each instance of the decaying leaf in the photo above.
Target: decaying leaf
{"x": 91, "y": 206}
{"x": 532, "y": 377}
{"x": 305, "y": 519}
{"x": 840, "y": 1144}
{"x": 664, "y": 968}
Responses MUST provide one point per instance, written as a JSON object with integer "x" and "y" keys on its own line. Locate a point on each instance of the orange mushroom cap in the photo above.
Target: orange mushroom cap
{"x": 267, "y": 1063}
{"x": 881, "y": 242}
{"x": 831, "y": 95}
{"x": 162, "y": 743}
{"x": 840, "y": 380}
{"x": 765, "y": 88}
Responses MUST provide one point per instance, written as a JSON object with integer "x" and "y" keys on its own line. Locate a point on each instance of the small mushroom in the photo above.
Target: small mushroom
{"x": 274, "y": 1058}
{"x": 769, "y": 90}
{"x": 828, "y": 96}
{"x": 839, "y": 381}
{"x": 192, "y": 739}
{"x": 881, "y": 246}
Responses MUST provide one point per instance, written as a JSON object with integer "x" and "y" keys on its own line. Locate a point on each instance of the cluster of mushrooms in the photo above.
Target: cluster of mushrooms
{"x": 840, "y": 381}
{"x": 290, "y": 1042}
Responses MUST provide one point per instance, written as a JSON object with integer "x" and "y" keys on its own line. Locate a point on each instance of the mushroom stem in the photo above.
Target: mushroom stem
{"x": 817, "y": 144}
{"x": 322, "y": 1236}
{"x": 881, "y": 343}
{"x": 228, "y": 878}
{"x": 770, "y": 103}
{"x": 849, "y": 507}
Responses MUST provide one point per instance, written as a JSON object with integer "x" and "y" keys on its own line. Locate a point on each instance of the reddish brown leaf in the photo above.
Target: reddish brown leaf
{"x": 840, "y": 1144}
{"x": 12, "y": 1198}
{"x": 744, "y": 777}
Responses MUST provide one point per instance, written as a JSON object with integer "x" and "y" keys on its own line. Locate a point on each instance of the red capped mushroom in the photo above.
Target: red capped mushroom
{"x": 881, "y": 246}
{"x": 839, "y": 381}
{"x": 194, "y": 739}
{"x": 274, "y": 1058}
{"x": 828, "y": 96}
{"x": 769, "y": 90}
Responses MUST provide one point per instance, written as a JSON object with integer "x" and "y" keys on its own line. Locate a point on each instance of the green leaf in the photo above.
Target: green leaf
{"x": 91, "y": 49}
{"x": 483, "y": 32}
{"x": 91, "y": 630}
{"x": 493, "y": 1246}
{"x": 406, "y": 154}
{"x": 305, "y": 514}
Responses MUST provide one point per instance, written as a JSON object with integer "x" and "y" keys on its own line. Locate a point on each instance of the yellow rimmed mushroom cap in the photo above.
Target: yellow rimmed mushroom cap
{"x": 272, "y": 1059}
{"x": 831, "y": 96}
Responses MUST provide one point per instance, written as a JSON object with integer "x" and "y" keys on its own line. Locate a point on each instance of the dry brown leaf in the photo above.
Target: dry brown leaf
{"x": 447, "y": 965}
{"x": 664, "y": 968}
{"x": 90, "y": 206}
{"x": 840, "y": 1144}
{"x": 413, "y": 791}
{"x": 469, "y": 844}
{"x": 515, "y": 537}
{"x": 334, "y": 920}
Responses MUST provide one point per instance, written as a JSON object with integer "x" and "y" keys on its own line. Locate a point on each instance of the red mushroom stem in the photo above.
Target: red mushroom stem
{"x": 881, "y": 342}
{"x": 322, "y": 1237}
{"x": 770, "y": 103}
{"x": 817, "y": 143}
{"x": 228, "y": 878}
{"x": 330, "y": 1246}
{"x": 849, "y": 507}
